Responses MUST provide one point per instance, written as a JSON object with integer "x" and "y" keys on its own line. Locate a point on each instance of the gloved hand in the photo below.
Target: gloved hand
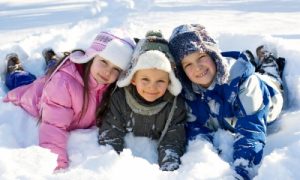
{"x": 242, "y": 173}
{"x": 169, "y": 166}
{"x": 170, "y": 161}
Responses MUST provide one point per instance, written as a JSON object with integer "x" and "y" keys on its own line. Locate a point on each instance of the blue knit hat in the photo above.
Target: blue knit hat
{"x": 189, "y": 38}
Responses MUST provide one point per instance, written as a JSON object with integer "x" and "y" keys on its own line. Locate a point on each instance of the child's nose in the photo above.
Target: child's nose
{"x": 199, "y": 67}
{"x": 153, "y": 86}
{"x": 107, "y": 71}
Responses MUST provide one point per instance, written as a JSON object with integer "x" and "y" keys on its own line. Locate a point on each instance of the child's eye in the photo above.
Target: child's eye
{"x": 202, "y": 58}
{"x": 145, "y": 79}
{"x": 203, "y": 55}
{"x": 186, "y": 66}
{"x": 161, "y": 81}
{"x": 118, "y": 70}
{"x": 103, "y": 61}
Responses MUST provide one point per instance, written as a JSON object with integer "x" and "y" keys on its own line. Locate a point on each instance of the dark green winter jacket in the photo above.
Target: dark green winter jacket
{"x": 129, "y": 113}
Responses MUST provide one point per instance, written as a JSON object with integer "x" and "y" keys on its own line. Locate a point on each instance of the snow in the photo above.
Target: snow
{"x": 27, "y": 27}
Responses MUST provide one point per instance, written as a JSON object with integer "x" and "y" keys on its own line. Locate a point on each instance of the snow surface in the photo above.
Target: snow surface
{"x": 27, "y": 27}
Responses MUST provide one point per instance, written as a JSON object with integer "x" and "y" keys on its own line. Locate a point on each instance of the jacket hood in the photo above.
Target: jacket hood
{"x": 187, "y": 39}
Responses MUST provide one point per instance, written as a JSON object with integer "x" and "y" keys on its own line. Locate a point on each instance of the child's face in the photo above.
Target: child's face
{"x": 151, "y": 84}
{"x": 103, "y": 71}
{"x": 199, "y": 68}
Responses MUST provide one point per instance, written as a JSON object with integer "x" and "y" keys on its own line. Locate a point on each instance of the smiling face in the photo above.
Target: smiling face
{"x": 103, "y": 71}
{"x": 151, "y": 84}
{"x": 199, "y": 68}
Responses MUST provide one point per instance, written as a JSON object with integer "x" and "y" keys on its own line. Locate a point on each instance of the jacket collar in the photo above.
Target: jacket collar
{"x": 141, "y": 106}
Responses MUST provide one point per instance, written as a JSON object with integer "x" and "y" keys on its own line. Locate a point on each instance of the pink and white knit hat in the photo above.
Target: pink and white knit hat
{"x": 114, "y": 46}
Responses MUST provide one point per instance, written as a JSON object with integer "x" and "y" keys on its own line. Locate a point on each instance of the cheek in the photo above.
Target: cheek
{"x": 139, "y": 89}
{"x": 140, "y": 85}
{"x": 114, "y": 76}
{"x": 213, "y": 67}
{"x": 95, "y": 68}
{"x": 163, "y": 87}
{"x": 189, "y": 72}
{"x": 93, "y": 72}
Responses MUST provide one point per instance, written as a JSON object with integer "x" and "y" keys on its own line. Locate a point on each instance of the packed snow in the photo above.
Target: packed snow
{"x": 27, "y": 27}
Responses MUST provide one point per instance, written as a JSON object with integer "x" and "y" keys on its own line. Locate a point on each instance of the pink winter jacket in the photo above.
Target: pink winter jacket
{"x": 59, "y": 103}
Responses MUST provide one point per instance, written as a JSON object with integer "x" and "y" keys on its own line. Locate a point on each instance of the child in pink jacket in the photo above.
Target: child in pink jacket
{"x": 66, "y": 98}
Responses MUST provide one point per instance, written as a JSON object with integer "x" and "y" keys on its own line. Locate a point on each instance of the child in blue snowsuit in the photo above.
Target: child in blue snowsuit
{"x": 226, "y": 93}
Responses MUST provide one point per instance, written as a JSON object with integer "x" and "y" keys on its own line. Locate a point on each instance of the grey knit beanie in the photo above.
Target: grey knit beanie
{"x": 152, "y": 52}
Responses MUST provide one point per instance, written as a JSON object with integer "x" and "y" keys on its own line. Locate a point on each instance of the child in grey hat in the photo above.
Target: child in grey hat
{"x": 146, "y": 104}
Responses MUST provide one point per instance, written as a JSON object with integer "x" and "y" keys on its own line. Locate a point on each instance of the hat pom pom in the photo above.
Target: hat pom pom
{"x": 154, "y": 33}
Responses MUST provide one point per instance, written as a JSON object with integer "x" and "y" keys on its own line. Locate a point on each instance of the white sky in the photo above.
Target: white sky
{"x": 27, "y": 27}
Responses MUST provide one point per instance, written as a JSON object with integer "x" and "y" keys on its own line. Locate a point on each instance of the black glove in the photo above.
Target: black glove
{"x": 170, "y": 162}
{"x": 169, "y": 166}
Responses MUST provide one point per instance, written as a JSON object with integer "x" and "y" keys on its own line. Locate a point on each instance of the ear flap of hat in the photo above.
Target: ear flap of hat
{"x": 175, "y": 86}
{"x": 81, "y": 57}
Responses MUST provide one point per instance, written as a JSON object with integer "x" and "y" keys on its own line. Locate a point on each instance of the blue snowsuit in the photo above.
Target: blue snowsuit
{"x": 238, "y": 99}
{"x": 221, "y": 107}
{"x": 18, "y": 78}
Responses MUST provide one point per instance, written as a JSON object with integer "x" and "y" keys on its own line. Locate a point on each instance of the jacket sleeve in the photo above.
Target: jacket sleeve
{"x": 57, "y": 115}
{"x": 27, "y": 96}
{"x": 112, "y": 130}
{"x": 251, "y": 124}
{"x": 173, "y": 143}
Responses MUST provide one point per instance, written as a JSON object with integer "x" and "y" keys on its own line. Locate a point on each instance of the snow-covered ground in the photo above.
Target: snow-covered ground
{"x": 27, "y": 27}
